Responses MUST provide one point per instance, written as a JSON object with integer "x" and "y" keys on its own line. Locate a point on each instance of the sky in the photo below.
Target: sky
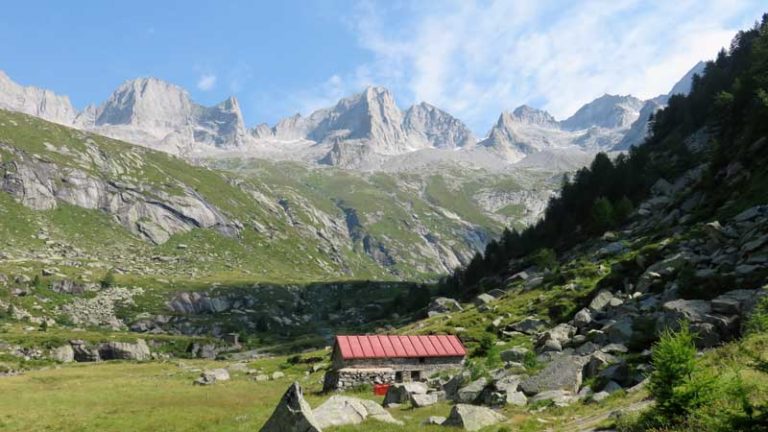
{"x": 472, "y": 58}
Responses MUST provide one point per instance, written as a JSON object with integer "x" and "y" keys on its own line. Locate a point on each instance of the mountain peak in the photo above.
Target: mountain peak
{"x": 35, "y": 101}
{"x": 529, "y": 115}
{"x": 608, "y": 111}
{"x": 429, "y": 126}
{"x": 684, "y": 85}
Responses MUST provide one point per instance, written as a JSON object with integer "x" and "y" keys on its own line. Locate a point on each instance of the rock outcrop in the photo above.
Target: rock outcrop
{"x": 292, "y": 414}
{"x": 472, "y": 418}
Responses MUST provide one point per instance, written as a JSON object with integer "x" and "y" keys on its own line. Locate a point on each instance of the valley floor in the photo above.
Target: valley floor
{"x": 159, "y": 396}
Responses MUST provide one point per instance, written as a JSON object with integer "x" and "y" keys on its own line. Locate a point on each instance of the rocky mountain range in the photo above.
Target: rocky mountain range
{"x": 365, "y": 131}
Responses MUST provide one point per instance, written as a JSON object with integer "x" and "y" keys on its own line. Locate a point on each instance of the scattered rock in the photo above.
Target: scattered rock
{"x": 401, "y": 393}
{"x": 434, "y": 420}
{"x": 515, "y": 354}
{"x": 343, "y": 410}
{"x": 423, "y": 400}
{"x": 558, "y": 397}
{"x": 442, "y": 305}
{"x": 563, "y": 373}
{"x": 292, "y": 414}
{"x": 64, "y": 354}
{"x": 472, "y": 418}
{"x": 471, "y": 392}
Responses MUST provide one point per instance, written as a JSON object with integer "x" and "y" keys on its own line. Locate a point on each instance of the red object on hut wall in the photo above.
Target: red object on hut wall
{"x": 380, "y": 389}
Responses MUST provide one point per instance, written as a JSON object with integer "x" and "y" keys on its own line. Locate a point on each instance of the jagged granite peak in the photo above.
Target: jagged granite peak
{"x": 148, "y": 103}
{"x": 683, "y": 86}
{"x": 261, "y": 131}
{"x": 292, "y": 128}
{"x": 505, "y": 138}
{"x": 429, "y": 126}
{"x": 640, "y": 128}
{"x": 160, "y": 114}
{"x": 35, "y": 101}
{"x": 607, "y": 111}
{"x": 371, "y": 115}
{"x": 221, "y": 124}
{"x": 534, "y": 116}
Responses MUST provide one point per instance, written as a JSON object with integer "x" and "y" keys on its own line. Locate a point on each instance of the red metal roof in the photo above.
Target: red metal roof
{"x": 392, "y": 346}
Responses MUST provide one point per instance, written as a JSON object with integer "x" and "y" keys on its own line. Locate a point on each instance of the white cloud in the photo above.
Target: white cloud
{"x": 477, "y": 58}
{"x": 206, "y": 82}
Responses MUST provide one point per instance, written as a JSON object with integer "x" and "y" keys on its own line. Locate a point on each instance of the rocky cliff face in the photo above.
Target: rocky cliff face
{"x": 144, "y": 210}
{"x": 35, "y": 101}
{"x": 428, "y": 126}
{"x": 523, "y": 132}
{"x": 160, "y": 115}
{"x": 607, "y": 111}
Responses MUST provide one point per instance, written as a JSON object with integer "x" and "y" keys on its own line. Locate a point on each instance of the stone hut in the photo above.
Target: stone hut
{"x": 388, "y": 359}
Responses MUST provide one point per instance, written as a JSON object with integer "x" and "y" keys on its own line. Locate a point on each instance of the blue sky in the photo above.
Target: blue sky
{"x": 471, "y": 58}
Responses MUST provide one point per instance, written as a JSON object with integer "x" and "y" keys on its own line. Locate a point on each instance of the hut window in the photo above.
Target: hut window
{"x": 398, "y": 377}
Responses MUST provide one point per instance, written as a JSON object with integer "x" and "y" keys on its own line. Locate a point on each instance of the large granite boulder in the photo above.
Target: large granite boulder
{"x": 471, "y": 392}
{"x": 442, "y": 305}
{"x": 344, "y": 410}
{"x": 563, "y": 373}
{"x": 292, "y": 414}
{"x": 472, "y": 418}
{"x": 125, "y": 351}
{"x": 401, "y": 393}
{"x": 84, "y": 353}
{"x": 63, "y": 354}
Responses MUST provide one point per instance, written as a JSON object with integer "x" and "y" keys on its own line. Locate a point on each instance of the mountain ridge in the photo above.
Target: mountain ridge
{"x": 365, "y": 129}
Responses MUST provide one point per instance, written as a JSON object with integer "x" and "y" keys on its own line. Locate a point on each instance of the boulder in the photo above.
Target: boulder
{"x": 582, "y": 318}
{"x": 401, "y": 393}
{"x": 83, "y": 353}
{"x": 212, "y": 376}
{"x": 691, "y": 310}
{"x": 618, "y": 372}
{"x": 453, "y": 385}
{"x": 277, "y": 375}
{"x": 736, "y": 302}
{"x": 610, "y": 249}
{"x": 515, "y": 354}
{"x": 63, "y": 354}
{"x": 424, "y": 400}
{"x": 529, "y": 325}
{"x": 596, "y": 363}
{"x": 434, "y": 421}
{"x": 471, "y": 392}
{"x": 472, "y": 418}
{"x": 516, "y": 398}
{"x": 497, "y": 293}
{"x": 125, "y": 351}
{"x": 442, "y": 305}
{"x": 558, "y": 397}
{"x": 619, "y": 331}
{"x": 344, "y": 410}
{"x": 601, "y": 300}
{"x": 563, "y": 373}
{"x": 483, "y": 299}
{"x": 292, "y": 414}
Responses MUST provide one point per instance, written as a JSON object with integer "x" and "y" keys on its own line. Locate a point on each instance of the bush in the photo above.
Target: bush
{"x": 487, "y": 342}
{"x": 675, "y": 383}
{"x": 545, "y": 259}
{"x": 758, "y": 320}
{"x": 109, "y": 280}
